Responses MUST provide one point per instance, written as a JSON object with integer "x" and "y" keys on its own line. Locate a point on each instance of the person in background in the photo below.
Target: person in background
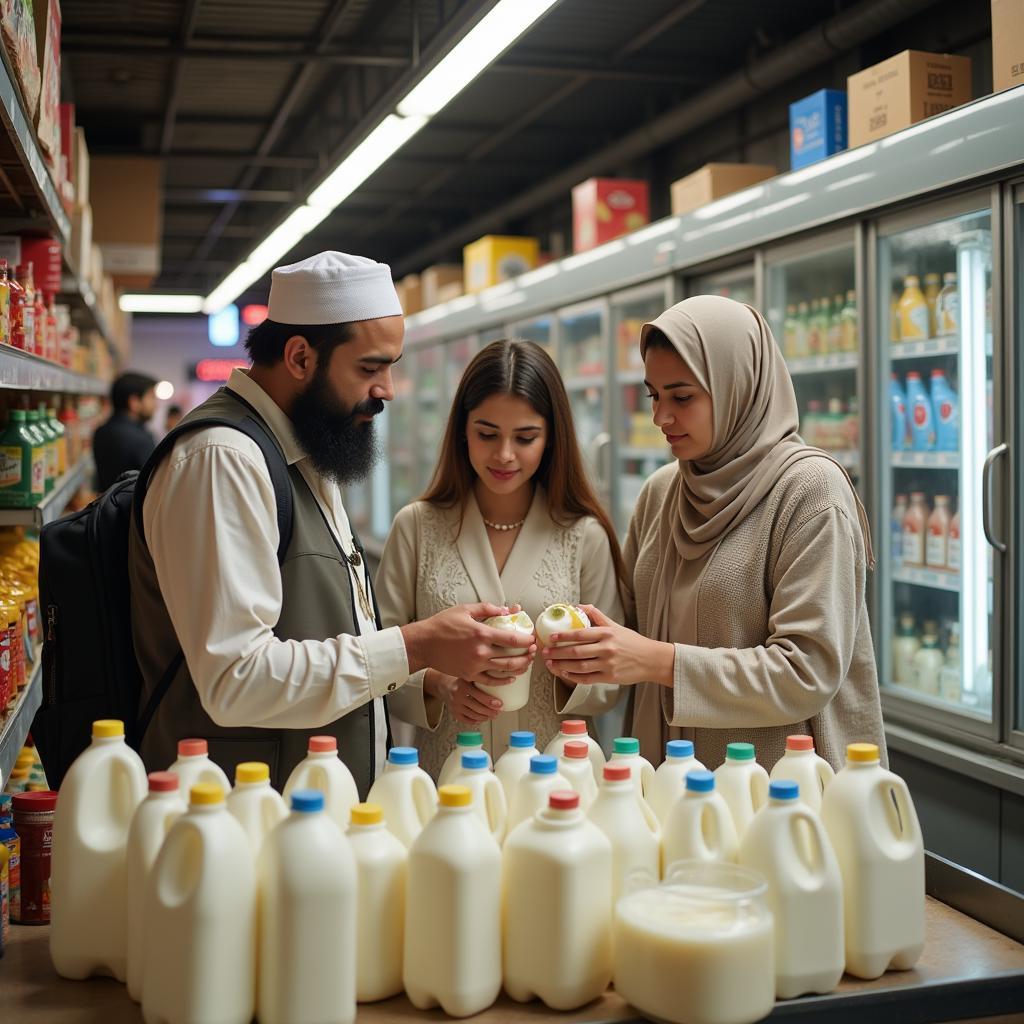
{"x": 173, "y": 417}
{"x": 123, "y": 442}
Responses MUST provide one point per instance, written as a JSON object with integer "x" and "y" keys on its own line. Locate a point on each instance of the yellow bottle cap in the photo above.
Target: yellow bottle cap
{"x": 252, "y": 771}
{"x": 455, "y": 796}
{"x": 206, "y": 793}
{"x": 367, "y": 814}
{"x": 862, "y": 752}
{"x": 106, "y": 727}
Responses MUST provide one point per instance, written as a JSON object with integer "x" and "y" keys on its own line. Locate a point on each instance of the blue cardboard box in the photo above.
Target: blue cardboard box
{"x": 817, "y": 127}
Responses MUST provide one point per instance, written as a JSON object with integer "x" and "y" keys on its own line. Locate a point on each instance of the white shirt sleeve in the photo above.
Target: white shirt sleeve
{"x": 211, "y": 526}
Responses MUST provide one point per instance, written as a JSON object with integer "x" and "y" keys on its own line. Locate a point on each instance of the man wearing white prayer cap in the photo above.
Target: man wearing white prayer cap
{"x": 255, "y": 623}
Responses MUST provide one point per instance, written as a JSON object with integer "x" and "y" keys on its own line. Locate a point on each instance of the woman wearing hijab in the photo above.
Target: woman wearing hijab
{"x": 747, "y": 558}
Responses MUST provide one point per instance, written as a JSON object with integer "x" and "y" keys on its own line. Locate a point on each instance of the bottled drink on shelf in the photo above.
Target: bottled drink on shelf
{"x": 953, "y": 549}
{"x": 802, "y": 331}
{"x": 789, "y": 332}
{"x": 949, "y": 675}
{"x": 814, "y": 345}
{"x": 945, "y": 408}
{"x": 898, "y": 413}
{"x": 28, "y": 312}
{"x": 812, "y": 424}
{"x": 915, "y": 524}
{"x": 17, "y": 313}
{"x": 913, "y": 310}
{"x": 928, "y": 662}
{"x": 904, "y": 646}
{"x": 937, "y": 544}
{"x": 947, "y": 306}
{"x": 899, "y": 511}
{"x": 835, "y": 325}
{"x": 851, "y": 424}
{"x": 848, "y": 323}
{"x": 919, "y": 409}
{"x": 894, "y": 317}
{"x": 932, "y": 287}
{"x": 5, "y": 305}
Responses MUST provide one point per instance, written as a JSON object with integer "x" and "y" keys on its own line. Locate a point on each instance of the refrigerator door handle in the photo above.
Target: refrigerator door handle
{"x": 598, "y": 447}
{"x": 986, "y": 496}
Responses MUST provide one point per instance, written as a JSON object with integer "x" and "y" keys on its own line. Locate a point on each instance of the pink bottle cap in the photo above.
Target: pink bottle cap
{"x": 617, "y": 772}
{"x": 322, "y": 744}
{"x": 799, "y": 742}
{"x": 574, "y": 727}
{"x": 576, "y": 748}
{"x": 192, "y": 748}
{"x": 162, "y": 782}
{"x": 563, "y": 800}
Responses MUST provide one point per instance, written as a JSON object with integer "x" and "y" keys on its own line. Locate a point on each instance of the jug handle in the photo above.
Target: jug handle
{"x": 759, "y": 788}
{"x": 424, "y": 799}
{"x": 896, "y": 798}
{"x": 649, "y": 816}
{"x": 814, "y": 864}
{"x": 497, "y": 808}
{"x": 826, "y": 773}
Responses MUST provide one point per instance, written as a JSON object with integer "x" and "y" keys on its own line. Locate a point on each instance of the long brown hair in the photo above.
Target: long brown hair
{"x": 524, "y": 370}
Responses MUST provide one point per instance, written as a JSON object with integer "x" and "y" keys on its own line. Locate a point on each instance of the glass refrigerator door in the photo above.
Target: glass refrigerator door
{"x": 737, "y": 284}
{"x": 935, "y": 334}
{"x": 811, "y": 308}
{"x": 458, "y": 355}
{"x": 541, "y": 331}
{"x": 431, "y": 410}
{"x": 400, "y": 429}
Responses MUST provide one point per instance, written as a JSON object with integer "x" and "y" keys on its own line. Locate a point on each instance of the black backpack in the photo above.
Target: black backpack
{"x": 89, "y": 665}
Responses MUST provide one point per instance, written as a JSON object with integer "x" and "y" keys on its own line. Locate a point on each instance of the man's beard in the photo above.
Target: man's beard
{"x": 339, "y": 446}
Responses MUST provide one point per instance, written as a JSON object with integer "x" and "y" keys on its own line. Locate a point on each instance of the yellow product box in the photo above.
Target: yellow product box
{"x": 1007, "y": 44}
{"x": 713, "y": 181}
{"x": 496, "y": 258}
{"x": 903, "y": 90}
{"x": 436, "y": 278}
{"x": 410, "y": 294}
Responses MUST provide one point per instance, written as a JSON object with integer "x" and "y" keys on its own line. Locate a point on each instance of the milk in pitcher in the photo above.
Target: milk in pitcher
{"x": 515, "y": 762}
{"x": 626, "y": 750}
{"x": 743, "y": 784}
{"x": 488, "y": 798}
{"x": 322, "y": 769}
{"x": 465, "y": 743}
{"x": 532, "y": 790}
{"x": 699, "y": 825}
{"x": 801, "y": 764}
{"x": 576, "y": 729}
{"x": 256, "y": 805}
{"x": 194, "y": 765}
{"x": 574, "y": 767}
{"x": 405, "y": 793}
{"x": 669, "y": 781}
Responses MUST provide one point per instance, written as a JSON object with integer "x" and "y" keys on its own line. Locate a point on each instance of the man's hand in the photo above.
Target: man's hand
{"x": 464, "y": 700}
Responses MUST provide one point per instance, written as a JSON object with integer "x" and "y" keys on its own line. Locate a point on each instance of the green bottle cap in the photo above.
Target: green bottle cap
{"x": 470, "y": 739}
{"x": 740, "y": 751}
{"x": 626, "y": 745}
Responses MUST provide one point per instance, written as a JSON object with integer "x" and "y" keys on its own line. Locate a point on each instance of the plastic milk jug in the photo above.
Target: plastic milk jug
{"x": 574, "y": 767}
{"x": 626, "y": 750}
{"x": 870, "y": 818}
{"x": 150, "y": 825}
{"x": 532, "y": 790}
{"x": 194, "y": 765}
{"x": 405, "y": 793}
{"x": 699, "y": 825}
{"x": 669, "y": 781}
{"x": 465, "y": 742}
{"x": 306, "y": 877}
{"x": 322, "y": 769}
{"x": 256, "y": 805}
{"x": 743, "y": 784}
{"x": 453, "y": 911}
{"x": 557, "y": 919}
{"x": 488, "y": 797}
{"x": 381, "y": 864}
{"x": 787, "y": 844}
{"x": 801, "y": 764}
{"x": 515, "y": 762}
{"x": 200, "y": 954}
{"x": 88, "y": 872}
{"x": 576, "y": 729}
{"x": 515, "y": 694}
{"x": 630, "y": 826}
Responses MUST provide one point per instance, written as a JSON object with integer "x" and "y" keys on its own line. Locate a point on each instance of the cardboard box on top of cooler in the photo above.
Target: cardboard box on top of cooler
{"x": 817, "y": 127}
{"x": 410, "y": 294}
{"x": 1007, "y": 44}
{"x": 713, "y": 181}
{"x": 495, "y": 258}
{"x": 607, "y": 208}
{"x": 903, "y": 90}
{"x": 434, "y": 280}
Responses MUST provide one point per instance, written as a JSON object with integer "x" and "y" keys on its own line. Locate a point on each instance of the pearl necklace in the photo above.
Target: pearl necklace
{"x": 504, "y": 526}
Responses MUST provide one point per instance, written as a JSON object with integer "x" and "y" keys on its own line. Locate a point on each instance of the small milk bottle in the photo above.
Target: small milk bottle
{"x": 557, "y": 921}
{"x": 465, "y": 743}
{"x": 576, "y": 729}
{"x": 488, "y": 798}
{"x": 150, "y": 825}
{"x": 200, "y": 953}
{"x": 870, "y": 818}
{"x": 88, "y": 876}
{"x": 515, "y": 694}
{"x": 453, "y": 911}
{"x": 629, "y": 824}
{"x": 743, "y": 784}
{"x": 323, "y": 769}
{"x": 405, "y": 793}
{"x": 256, "y": 805}
{"x": 574, "y": 767}
{"x": 669, "y": 781}
{"x": 626, "y": 750}
{"x": 787, "y": 844}
{"x": 515, "y": 762}
{"x": 194, "y": 765}
{"x": 381, "y": 865}
{"x": 801, "y": 764}
{"x": 532, "y": 790}
{"x": 307, "y": 919}
{"x": 699, "y": 825}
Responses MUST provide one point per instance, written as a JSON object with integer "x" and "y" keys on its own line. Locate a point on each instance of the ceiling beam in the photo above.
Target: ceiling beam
{"x": 185, "y": 196}
{"x": 188, "y": 27}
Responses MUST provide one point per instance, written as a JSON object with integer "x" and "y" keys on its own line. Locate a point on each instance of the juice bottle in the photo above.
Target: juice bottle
{"x": 39, "y": 317}
{"x": 899, "y": 511}
{"x": 949, "y": 674}
{"x": 919, "y": 409}
{"x": 699, "y": 825}
{"x": 948, "y": 305}
{"x": 743, "y": 784}
{"x": 18, "y": 310}
{"x": 904, "y": 647}
{"x": 913, "y": 311}
{"x": 932, "y": 288}
{"x": 953, "y": 550}
{"x": 789, "y": 329}
{"x": 897, "y": 414}
{"x": 915, "y": 525}
{"x": 814, "y": 339}
{"x": 835, "y": 325}
{"x": 894, "y": 317}
{"x": 946, "y": 412}
{"x": 28, "y": 308}
{"x": 836, "y": 421}
{"x": 802, "y": 335}
{"x": 5, "y": 305}
{"x": 937, "y": 545}
{"x": 68, "y": 416}
{"x": 848, "y": 320}
{"x": 928, "y": 661}
{"x": 515, "y": 762}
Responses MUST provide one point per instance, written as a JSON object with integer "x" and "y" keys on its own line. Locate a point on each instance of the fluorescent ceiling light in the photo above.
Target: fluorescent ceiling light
{"x": 483, "y": 44}
{"x": 135, "y": 303}
{"x": 285, "y": 237}
{"x": 233, "y": 285}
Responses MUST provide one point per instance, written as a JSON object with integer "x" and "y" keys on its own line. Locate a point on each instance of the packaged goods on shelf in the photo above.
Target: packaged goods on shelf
{"x": 713, "y": 181}
{"x": 127, "y": 206}
{"x": 81, "y": 245}
{"x": 495, "y": 258}
{"x": 439, "y": 276}
{"x": 817, "y": 127}
{"x": 47, "y": 34}
{"x": 410, "y": 294}
{"x": 449, "y": 291}
{"x": 1007, "y": 44}
{"x": 605, "y": 208}
{"x": 19, "y": 34}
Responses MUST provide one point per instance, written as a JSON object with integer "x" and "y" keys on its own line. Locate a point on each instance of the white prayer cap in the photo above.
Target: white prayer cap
{"x": 332, "y": 288}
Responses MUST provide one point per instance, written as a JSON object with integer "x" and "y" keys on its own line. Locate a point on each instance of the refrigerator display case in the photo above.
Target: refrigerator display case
{"x": 737, "y": 283}
{"x": 540, "y": 330}
{"x": 431, "y": 409}
{"x": 399, "y": 426}
{"x": 457, "y": 356}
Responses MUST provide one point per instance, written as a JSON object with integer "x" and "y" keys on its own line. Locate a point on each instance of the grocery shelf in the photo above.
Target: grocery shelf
{"x": 662, "y": 454}
{"x": 935, "y": 579}
{"x": 926, "y": 460}
{"x": 946, "y": 346}
{"x": 25, "y": 372}
{"x": 584, "y": 381}
{"x": 19, "y": 720}
{"x": 54, "y": 504}
{"x": 79, "y": 295}
{"x": 630, "y": 376}
{"x": 823, "y": 364}
{"x": 848, "y": 459}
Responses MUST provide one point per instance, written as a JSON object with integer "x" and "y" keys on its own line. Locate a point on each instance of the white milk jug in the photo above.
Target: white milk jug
{"x": 381, "y": 864}
{"x": 626, "y": 750}
{"x": 453, "y": 911}
{"x": 787, "y": 844}
{"x": 488, "y": 798}
{"x": 256, "y": 805}
{"x": 801, "y": 764}
{"x": 669, "y": 781}
{"x": 574, "y": 767}
{"x": 870, "y": 818}
{"x": 532, "y": 790}
{"x": 743, "y": 784}
{"x": 516, "y": 694}
{"x": 194, "y": 765}
{"x": 515, "y": 762}
{"x": 150, "y": 825}
{"x": 307, "y": 919}
{"x": 200, "y": 954}
{"x": 630, "y": 826}
{"x": 557, "y": 907}
{"x": 405, "y": 793}
{"x": 699, "y": 825}
{"x": 576, "y": 729}
{"x": 322, "y": 769}
{"x": 88, "y": 875}
{"x": 465, "y": 743}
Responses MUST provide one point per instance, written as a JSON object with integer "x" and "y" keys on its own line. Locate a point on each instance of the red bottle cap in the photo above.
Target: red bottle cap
{"x": 617, "y": 772}
{"x": 577, "y": 748}
{"x": 192, "y": 748}
{"x": 162, "y": 782}
{"x": 322, "y": 744}
{"x": 799, "y": 742}
{"x": 563, "y": 800}
{"x": 574, "y": 727}
{"x": 34, "y": 803}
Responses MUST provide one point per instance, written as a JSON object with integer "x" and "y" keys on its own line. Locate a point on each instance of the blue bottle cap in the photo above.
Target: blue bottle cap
{"x": 307, "y": 801}
{"x": 699, "y": 781}
{"x": 522, "y": 739}
{"x": 475, "y": 759}
{"x": 784, "y": 789}
{"x": 403, "y": 755}
{"x": 679, "y": 748}
{"x": 543, "y": 764}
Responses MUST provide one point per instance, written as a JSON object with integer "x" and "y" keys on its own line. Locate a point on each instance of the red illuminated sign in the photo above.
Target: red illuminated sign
{"x": 216, "y": 371}
{"x": 253, "y": 315}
